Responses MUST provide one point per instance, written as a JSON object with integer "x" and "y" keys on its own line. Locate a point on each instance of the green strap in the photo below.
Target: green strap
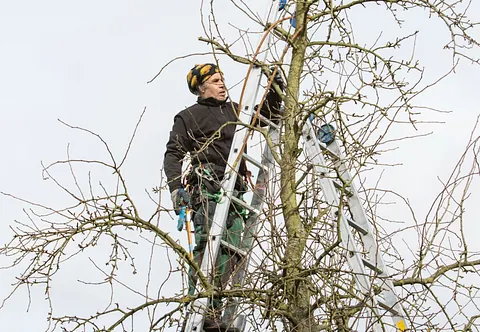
{"x": 217, "y": 197}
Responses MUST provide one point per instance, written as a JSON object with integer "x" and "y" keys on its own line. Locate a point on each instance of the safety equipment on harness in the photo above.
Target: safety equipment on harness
{"x": 207, "y": 178}
{"x": 209, "y": 185}
{"x": 206, "y": 185}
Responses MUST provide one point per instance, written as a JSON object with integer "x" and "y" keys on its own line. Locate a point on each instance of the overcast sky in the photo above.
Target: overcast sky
{"x": 88, "y": 63}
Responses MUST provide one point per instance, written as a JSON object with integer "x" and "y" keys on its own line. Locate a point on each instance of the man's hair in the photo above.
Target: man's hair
{"x": 200, "y": 87}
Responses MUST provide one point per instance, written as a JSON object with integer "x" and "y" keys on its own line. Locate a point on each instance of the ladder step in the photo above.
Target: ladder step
{"x": 252, "y": 161}
{"x": 268, "y": 122}
{"x": 328, "y": 152}
{"x": 236, "y": 250}
{"x": 240, "y": 202}
{"x": 388, "y": 308}
{"x": 359, "y": 228}
{"x": 371, "y": 266}
{"x": 340, "y": 186}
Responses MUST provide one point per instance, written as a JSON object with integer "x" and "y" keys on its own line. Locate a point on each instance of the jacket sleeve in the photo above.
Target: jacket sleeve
{"x": 271, "y": 108}
{"x": 273, "y": 103}
{"x": 177, "y": 147}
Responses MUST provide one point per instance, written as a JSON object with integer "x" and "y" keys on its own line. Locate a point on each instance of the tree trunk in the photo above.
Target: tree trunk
{"x": 296, "y": 287}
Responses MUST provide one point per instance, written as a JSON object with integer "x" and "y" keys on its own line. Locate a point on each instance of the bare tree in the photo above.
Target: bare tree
{"x": 300, "y": 280}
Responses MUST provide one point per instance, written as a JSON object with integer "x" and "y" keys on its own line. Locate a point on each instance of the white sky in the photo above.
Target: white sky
{"x": 87, "y": 63}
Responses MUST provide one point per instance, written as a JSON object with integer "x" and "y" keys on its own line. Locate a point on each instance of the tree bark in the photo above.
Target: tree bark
{"x": 297, "y": 290}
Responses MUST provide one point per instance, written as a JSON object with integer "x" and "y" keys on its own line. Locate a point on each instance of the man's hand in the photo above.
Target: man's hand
{"x": 180, "y": 198}
{"x": 277, "y": 78}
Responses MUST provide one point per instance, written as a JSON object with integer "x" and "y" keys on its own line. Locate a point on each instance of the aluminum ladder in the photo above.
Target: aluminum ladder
{"x": 378, "y": 290}
{"x": 197, "y": 309}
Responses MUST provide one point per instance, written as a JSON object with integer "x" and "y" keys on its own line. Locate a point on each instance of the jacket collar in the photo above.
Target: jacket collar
{"x": 211, "y": 101}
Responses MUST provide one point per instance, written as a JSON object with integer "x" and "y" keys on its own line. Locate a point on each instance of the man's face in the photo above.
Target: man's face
{"x": 214, "y": 87}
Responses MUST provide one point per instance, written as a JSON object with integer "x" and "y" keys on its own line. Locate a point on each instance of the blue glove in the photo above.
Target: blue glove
{"x": 180, "y": 198}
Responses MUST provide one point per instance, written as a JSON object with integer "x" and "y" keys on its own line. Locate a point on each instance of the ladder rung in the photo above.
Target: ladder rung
{"x": 328, "y": 152}
{"x": 371, "y": 266}
{"x": 236, "y": 250}
{"x": 252, "y": 161}
{"x": 340, "y": 186}
{"x": 388, "y": 308}
{"x": 245, "y": 205}
{"x": 268, "y": 122}
{"x": 359, "y": 228}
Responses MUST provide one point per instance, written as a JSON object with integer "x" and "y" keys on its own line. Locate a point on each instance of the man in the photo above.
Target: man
{"x": 205, "y": 130}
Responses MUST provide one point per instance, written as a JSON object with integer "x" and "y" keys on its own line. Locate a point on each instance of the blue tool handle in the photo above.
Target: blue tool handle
{"x": 181, "y": 218}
